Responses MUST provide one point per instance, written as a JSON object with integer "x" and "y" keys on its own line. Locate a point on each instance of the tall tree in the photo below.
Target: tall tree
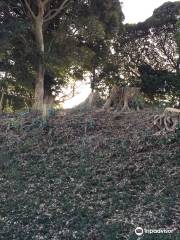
{"x": 35, "y": 16}
{"x": 23, "y": 25}
{"x": 65, "y": 38}
{"x": 41, "y": 12}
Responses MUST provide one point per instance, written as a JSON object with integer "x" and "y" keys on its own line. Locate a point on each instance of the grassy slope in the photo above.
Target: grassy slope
{"x": 85, "y": 176}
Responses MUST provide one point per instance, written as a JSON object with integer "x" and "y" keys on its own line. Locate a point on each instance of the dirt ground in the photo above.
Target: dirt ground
{"x": 87, "y": 175}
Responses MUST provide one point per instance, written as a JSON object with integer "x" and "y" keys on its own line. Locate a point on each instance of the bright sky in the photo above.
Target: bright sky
{"x": 139, "y": 10}
{"x": 135, "y": 11}
{"x": 83, "y": 89}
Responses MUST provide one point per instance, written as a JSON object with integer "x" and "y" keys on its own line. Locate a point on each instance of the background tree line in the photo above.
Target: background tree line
{"x": 46, "y": 44}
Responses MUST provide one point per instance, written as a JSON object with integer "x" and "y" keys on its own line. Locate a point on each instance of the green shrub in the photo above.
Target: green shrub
{"x": 138, "y": 102}
{"x": 15, "y": 124}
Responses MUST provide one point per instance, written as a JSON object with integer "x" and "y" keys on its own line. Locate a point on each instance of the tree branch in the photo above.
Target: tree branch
{"x": 50, "y": 16}
{"x": 30, "y": 10}
{"x": 23, "y": 8}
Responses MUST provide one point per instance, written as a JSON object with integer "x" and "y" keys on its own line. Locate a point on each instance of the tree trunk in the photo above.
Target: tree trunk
{"x": 126, "y": 101}
{"x": 49, "y": 101}
{"x": 115, "y": 98}
{"x": 93, "y": 79}
{"x": 1, "y": 102}
{"x": 39, "y": 84}
{"x": 120, "y": 97}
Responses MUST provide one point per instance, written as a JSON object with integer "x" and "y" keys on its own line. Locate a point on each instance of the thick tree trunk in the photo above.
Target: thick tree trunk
{"x": 120, "y": 97}
{"x": 49, "y": 101}
{"x": 39, "y": 84}
{"x": 39, "y": 89}
{"x": 36, "y": 10}
{"x": 126, "y": 100}
{"x": 129, "y": 95}
{"x": 115, "y": 98}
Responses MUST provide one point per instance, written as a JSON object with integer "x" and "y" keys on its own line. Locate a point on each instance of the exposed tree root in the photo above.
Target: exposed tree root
{"x": 167, "y": 120}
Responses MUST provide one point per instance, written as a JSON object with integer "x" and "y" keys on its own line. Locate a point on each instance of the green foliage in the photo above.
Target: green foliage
{"x": 73, "y": 45}
{"x": 51, "y": 112}
{"x": 90, "y": 124}
{"x": 89, "y": 38}
{"x": 156, "y": 83}
{"x": 91, "y": 29}
{"x": 152, "y": 43}
{"x": 138, "y": 102}
{"x": 15, "y": 124}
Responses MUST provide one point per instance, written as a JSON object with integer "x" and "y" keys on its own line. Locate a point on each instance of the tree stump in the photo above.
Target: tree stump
{"x": 120, "y": 97}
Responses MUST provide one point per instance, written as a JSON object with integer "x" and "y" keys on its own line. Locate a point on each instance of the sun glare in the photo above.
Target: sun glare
{"x": 83, "y": 90}
{"x": 139, "y": 10}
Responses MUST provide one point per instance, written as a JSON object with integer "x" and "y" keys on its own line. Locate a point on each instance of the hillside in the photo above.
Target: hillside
{"x": 87, "y": 176}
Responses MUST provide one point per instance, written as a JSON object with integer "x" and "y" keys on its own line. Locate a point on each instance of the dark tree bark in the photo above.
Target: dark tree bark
{"x": 39, "y": 85}
{"x": 1, "y": 102}
{"x": 93, "y": 79}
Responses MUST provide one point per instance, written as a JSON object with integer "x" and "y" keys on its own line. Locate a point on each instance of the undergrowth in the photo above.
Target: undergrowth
{"x": 88, "y": 177}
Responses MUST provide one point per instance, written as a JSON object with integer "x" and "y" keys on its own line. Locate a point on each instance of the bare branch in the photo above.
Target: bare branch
{"x": 29, "y": 9}
{"x": 50, "y": 12}
{"x": 52, "y": 15}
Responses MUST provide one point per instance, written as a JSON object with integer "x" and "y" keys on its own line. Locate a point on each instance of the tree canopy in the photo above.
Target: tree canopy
{"x": 72, "y": 35}
{"x": 48, "y": 44}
